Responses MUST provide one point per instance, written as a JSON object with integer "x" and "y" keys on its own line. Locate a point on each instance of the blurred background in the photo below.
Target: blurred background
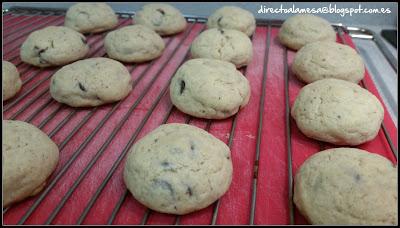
{"x": 205, "y": 9}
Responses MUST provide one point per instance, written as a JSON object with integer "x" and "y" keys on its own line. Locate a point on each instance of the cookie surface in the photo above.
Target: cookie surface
{"x": 338, "y": 112}
{"x": 90, "y": 17}
{"x": 91, "y": 82}
{"x": 233, "y": 17}
{"x": 347, "y": 186}
{"x": 324, "y": 59}
{"x": 135, "y": 43}
{"x": 29, "y": 157}
{"x": 209, "y": 88}
{"x": 178, "y": 169}
{"x": 53, "y": 46}
{"x": 223, "y": 44}
{"x": 11, "y": 81}
{"x": 302, "y": 29}
{"x": 162, "y": 18}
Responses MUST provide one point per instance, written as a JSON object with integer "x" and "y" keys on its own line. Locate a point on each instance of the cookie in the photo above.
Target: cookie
{"x": 53, "y": 46}
{"x": 324, "y": 59}
{"x": 164, "y": 19}
{"x": 91, "y": 82}
{"x": 302, "y": 29}
{"x": 347, "y": 186}
{"x": 29, "y": 157}
{"x": 91, "y": 17}
{"x": 223, "y": 44}
{"x": 178, "y": 169}
{"x": 209, "y": 88}
{"x": 11, "y": 80}
{"x": 338, "y": 112}
{"x": 232, "y": 17}
{"x": 135, "y": 43}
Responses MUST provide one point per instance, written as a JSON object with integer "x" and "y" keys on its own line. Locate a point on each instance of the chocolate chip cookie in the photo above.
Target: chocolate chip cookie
{"x": 347, "y": 186}
{"x": 53, "y": 46}
{"x": 338, "y": 112}
{"x": 162, "y": 18}
{"x": 233, "y": 17}
{"x": 29, "y": 157}
{"x": 223, "y": 44}
{"x": 135, "y": 43}
{"x": 302, "y": 29}
{"x": 11, "y": 81}
{"x": 91, "y": 17}
{"x": 178, "y": 169}
{"x": 324, "y": 59}
{"x": 209, "y": 88}
{"x": 91, "y": 82}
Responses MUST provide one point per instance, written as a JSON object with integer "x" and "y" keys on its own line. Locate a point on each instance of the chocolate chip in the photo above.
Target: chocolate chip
{"x": 85, "y": 13}
{"x": 191, "y": 145}
{"x": 82, "y": 87}
{"x": 189, "y": 191}
{"x": 221, "y": 31}
{"x": 165, "y": 164}
{"x": 42, "y": 61}
{"x": 42, "y": 51}
{"x": 164, "y": 185}
{"x": 155, "y": 140}
{"x": 161, "y": 11}
{"x": 52, "y": 44}
{"x": 228, "y": 158}
{"x": 182, "y": 87}
{"x": 219, "y": 20}
{"x": 338, "y": 116}
{"x": 357, "y": 177}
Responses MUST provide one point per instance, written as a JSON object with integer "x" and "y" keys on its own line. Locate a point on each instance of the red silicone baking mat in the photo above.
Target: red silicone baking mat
{"x": 87, "y": 185}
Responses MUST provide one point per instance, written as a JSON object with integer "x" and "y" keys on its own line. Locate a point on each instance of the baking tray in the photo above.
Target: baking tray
{"x": 87, "y": 186}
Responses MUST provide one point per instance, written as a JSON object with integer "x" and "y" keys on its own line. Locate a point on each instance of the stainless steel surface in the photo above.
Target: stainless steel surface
{"x": 363, "y": 84}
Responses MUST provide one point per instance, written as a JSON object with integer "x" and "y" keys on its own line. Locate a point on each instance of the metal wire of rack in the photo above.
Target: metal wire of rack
{"x": 146, "y": 76}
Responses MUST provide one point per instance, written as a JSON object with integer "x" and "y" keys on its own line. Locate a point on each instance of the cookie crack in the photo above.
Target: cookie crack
{"x": 313, "y": 61}
{"x": 39, "y": 52}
